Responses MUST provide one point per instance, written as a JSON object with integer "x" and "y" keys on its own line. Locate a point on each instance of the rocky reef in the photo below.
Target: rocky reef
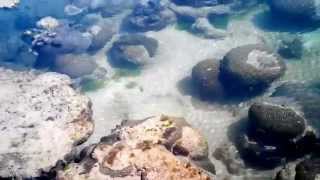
{"x": 159, "y": 147}
{"x": 42, "y": 118}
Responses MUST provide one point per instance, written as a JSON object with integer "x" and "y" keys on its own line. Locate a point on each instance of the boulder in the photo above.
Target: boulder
{"x": 75, "y": 65}
{"x": 197, "y": 3}
{"x": 101, "y": 33}
{"x": 291, "y": 47}
{"x": 41, "y": 120}
{"x": 308, "y": 169}
{"x": 134, "y": 49}
{"x": 307, "y": 96}
{"x": 297, "y": 9}
{"x": 205, "y": 76}
{"x": 276, "y": 131}
{"x": 270, "y": 121}
{"x": 60, "y": 40}
{"x": 147, "y": 149}
{"x": 150, "y": 16}
{"x": 249, "y": 69}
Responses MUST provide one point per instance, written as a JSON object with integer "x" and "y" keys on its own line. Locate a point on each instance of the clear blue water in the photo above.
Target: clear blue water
{"x": 78, "y": 37}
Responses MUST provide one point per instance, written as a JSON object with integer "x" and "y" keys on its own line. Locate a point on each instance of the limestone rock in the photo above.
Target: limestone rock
{"x": 157, "y": 148}
{"x": 9, "y": 3}
{"x": 41, "y": 119}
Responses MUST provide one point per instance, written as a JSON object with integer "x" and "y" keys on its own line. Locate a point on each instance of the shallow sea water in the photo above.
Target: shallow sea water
{"x": 163, "y": 85}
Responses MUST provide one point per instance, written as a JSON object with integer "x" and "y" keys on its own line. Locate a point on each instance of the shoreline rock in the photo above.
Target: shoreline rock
{"x": 42, "y": 118}
{"x": 9, "y": 3}
{"x": 156, "y": 148}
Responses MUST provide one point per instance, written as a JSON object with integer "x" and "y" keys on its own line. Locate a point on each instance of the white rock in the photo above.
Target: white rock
{"x": 9, "y": 3}
{"x": 48, "y": 23}
{"x": 41, "y": 119}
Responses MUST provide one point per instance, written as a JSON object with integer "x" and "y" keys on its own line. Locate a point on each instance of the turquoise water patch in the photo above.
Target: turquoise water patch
{"x": 121, "y": 73}
{"x": 220, "y": 22}
{"x": 91, "y": 85}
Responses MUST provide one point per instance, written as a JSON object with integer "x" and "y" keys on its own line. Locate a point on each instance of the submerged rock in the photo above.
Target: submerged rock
{"x": 198, "y": 3}
{"x": 298, "y": 9}
{"x": 134, "y": 49}
{"x": 270, "y": 121}
{"x": 101, "y": 33}
{"x": 275, "y": 133}
{"x": 150, "y": 16}
{"x": 60, "y": 40}
{"x": 205, "y": 76}
{"x": 48, "y": 23}
{"x": 291, "y": 47}
{"x": 249, "y": 69}
{"x": 306, "y": 95}
{"x": 308, "y": 169}
{"x": 203, "y": 27}
{"x": 193, "y": 14}
{"x": 41, "y": 120}
{"x": 155, "y": 148}
{"x": 74, "y": 65}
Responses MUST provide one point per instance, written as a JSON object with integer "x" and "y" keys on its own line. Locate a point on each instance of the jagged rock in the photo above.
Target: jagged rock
{"x": 147, "y": 149}
{"x": 9, "y": 3}
{"x": 308, "y": 169}
{"x": 286, "y": 173}
{"x": 41, "y": 120}
{"x": 249, "y": 69}
{"x": 151, "y": 15}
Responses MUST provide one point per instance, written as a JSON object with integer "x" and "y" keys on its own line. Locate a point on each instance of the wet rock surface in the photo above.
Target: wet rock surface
{"x": 291, "y": 47}
{"x": 151, "y": 15}
{"x": 42, "y": 118}
{"x": 273, "y": 121}
{"x": 133, "y": 50}
{"x": 250, "y": 69}
{"x": 308, "y": 169}
{"x": 156, "y": 148}
{"x": 306, "y": 95}
{"x": 205, "y": 76}
{"x": 275, "y": 133}
{"x": 197, "y": 3}
{"x": 203, "y": 28}
{"x": 74, "y": 65}
{"x": 297, "y": 9}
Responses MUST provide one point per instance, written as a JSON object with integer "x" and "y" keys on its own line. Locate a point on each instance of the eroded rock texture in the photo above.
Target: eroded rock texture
{"x": 157, "y": 148}
{"x": 9, "y": 3}
{"x": 41, "y": 119}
